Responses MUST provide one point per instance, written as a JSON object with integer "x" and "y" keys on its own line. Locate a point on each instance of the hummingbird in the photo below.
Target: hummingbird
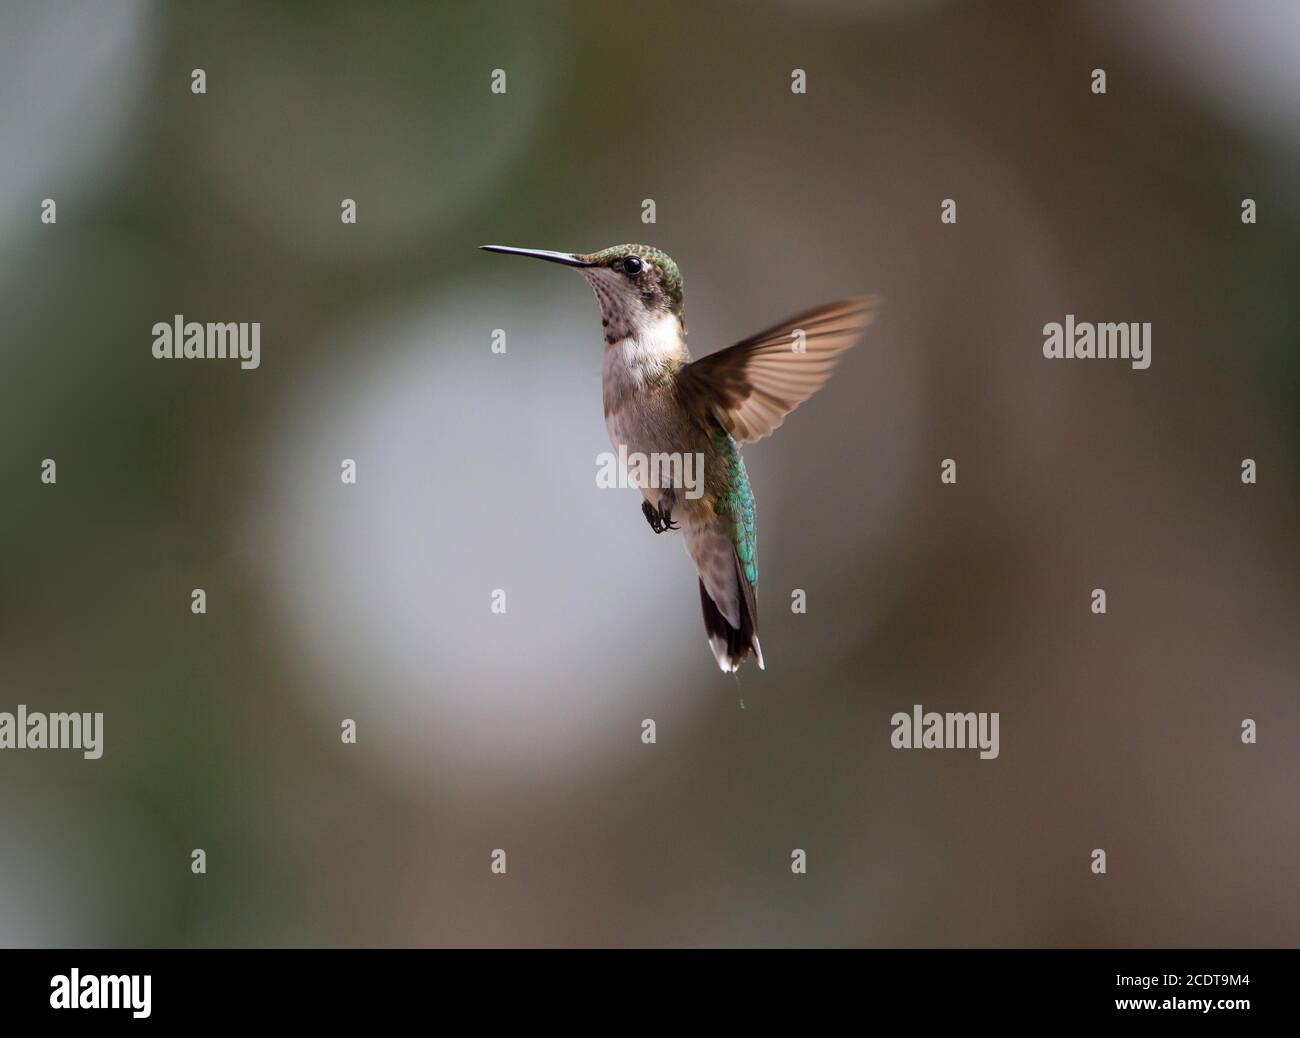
{"x": 660, "y": 403}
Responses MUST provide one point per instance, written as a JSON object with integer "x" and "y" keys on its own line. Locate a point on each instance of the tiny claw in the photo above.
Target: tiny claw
{"x": 653, "y": 516}
{"x": 659, "y": 520}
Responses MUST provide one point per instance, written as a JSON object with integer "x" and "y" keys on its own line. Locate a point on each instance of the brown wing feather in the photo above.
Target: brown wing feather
{"x": 750, "y": 387}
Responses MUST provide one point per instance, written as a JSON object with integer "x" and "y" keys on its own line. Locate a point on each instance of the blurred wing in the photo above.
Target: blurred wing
{"x": 750, "y": 387}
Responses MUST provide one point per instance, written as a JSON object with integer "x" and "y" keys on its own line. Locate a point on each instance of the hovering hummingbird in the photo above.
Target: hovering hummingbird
{"x": 658, "y": 402}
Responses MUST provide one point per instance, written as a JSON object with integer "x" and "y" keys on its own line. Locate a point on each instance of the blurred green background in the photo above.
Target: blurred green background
{"x": 476, "y": 471}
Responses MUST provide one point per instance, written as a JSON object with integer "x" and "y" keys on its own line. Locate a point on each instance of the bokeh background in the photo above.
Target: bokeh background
{"x": 476, "y": 471}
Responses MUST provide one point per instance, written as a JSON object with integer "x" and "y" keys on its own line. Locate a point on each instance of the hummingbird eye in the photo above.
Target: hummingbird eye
{"x": 631, "y": 266}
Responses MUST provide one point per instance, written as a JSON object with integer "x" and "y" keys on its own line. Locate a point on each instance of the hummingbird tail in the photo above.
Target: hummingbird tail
{"x": 726, "y": 594}
{"x": 730, "y": 644}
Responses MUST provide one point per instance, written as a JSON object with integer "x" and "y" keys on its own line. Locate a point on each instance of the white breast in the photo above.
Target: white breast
{"x": 631, "y": 361}
{"x": 632, "y": 365}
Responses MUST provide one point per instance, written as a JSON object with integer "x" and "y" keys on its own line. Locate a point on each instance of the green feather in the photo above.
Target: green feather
{"x": 737, "y": 504}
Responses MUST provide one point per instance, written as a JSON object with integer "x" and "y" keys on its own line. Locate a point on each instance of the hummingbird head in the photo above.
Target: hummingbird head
{"x": 635, "y": 285}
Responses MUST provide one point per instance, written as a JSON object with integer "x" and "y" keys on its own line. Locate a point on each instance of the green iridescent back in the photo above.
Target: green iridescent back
{"x": 737, "y": 504}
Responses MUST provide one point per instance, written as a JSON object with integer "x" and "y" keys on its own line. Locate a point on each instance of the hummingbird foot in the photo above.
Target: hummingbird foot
{"x": 659, "y": 520}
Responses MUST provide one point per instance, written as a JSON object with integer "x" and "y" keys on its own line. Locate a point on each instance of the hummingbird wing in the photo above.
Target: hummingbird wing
{"x": 750, "y": 387}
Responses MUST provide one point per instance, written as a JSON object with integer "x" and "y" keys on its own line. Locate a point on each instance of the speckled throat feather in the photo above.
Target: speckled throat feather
{"x": 668, "y": 278}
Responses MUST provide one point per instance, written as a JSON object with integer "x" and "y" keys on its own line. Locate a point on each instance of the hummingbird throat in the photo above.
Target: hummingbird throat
{"x": 624, "y": 312}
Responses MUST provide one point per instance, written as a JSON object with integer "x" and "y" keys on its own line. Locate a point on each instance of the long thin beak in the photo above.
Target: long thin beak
{"x": 567, "y": 258}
